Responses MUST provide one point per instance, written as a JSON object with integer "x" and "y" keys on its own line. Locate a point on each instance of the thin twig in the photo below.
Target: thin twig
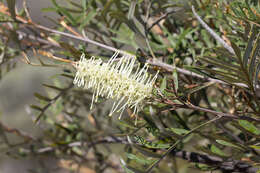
{"x": 179, "y": 141}
{"x": 16, "y": 131}
{"x": 52, "y": 101}
{"x": 162, "y": 17}
{"x": 170, "y": 68}
{"x": 226, "y": 115}
{"x": 212, "y": 33}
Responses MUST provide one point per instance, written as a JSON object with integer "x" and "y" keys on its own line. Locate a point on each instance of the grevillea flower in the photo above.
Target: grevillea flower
{"x": 117, "y": 80}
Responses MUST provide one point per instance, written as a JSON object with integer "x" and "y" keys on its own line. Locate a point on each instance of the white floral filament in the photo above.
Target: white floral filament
{"x": 115, "y": 80}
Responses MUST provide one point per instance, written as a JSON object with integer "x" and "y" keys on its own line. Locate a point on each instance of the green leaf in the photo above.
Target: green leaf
{"x": 179, "y": 131}
{"x": 41, "y": 97}
{"x": 65, "y": 13}
{"x": 175, "y": 78}
{"x": 163, "y": 84}
{"x": 222, "y": 142}
{"x": 256, "y": 74}
{"x": 11, "y": 7}
{"x": 217, "y": 151}
{"x": 228, "y": 77}
{"x": 67, "y": 75}
{"x": 76, "y": 53}
{"x": 49, "y": 9}
{"x": 126, "y": 169}
{"x": 38, "y": 108}
{"x": 84, "y": 4}
{"x": 249, "y": 127}
{"x": 147, "y": 152}
{"x": 256, "y": 49}
{"x": 237, "y": 52}
{"x": 251, "y": 13}
{"x": 87, "y": 18}
{"x": 106, "y": 7}
{"x": 53, "y": 87}
{"x": 131, "y": 11}
{"x": 149, "y": 144}
{"x": 139, "y": 159}
{"x": 221, "y": 64}
{"x": 255, "y": 147}
{"x": 120, "y": 16}
{"x": 204, "y": 85}
{"x": 249, "y": 46}
{"x": 134, "y": 169}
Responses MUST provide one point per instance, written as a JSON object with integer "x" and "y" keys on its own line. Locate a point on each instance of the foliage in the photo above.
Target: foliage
{"x": 205, "y": 106}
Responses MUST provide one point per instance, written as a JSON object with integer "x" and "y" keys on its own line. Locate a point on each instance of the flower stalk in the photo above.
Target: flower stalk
{"x": 117, "y": 80}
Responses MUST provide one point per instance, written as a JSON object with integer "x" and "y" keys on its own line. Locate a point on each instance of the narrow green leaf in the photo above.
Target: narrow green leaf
{"x": 139, "y": 159}
{"x": 84, "y": 4}
{"x": 249, "y": 127}
{"x": 52, "y": 87}
{"x": 251, "y": 13}
{"x": 221, "y": 65}
{"x": 256, "y": 74}
{"x": 49, "y": 9}
{"x": 196, "y": 71}
{"x": 222, "y": 142}
{"x": 71, "y": 49}
{"x": 106, "y": 7}
{"x": 217, "y": 151}
{"x": 38, "y": 108}
{"x": 65, "y": 13}
{"x": 134, "y": 169}
{"x": 75, "y": 4}
{"x": 120, "y": 16}
{"x": 2, "y": 54}
{"x": 237, "y": 12}
{"x": 67, "y": 75}
{"x": 175, "y": 78}
{"x": 249, "y": 46}
{"x": 124, "y": 124}
{"x": 163, "y": 84}
{"x": 222, "y": 52}
{"x": 241, "y": 11}
{"x": 126, "y": 169}
{"x": 41, "y": 97}
{"x": 255, "y": 147}
{"x": 237, "y": 52}
{"x": 230, "y": 78}
{"x": 204, "y": 85}
{"x": 131, "y": 11}
{"x": 147, "y": 152}
{"x": 87, "y": 18}
{"x": 11, "y": 7}
{"x": 256, "y": 49}
{"x": 179, "y": 131}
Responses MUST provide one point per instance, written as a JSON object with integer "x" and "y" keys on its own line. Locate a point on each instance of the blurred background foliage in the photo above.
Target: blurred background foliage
{"x": 204, "y": 115}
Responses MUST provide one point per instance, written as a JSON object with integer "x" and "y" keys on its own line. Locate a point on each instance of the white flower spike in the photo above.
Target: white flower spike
{"x": 115, "y": 80}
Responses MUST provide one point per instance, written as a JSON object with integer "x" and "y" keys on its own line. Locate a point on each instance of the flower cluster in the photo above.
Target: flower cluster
{"x": 116, "y": 79}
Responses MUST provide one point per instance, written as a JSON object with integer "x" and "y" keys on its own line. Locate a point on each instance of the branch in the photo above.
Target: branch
{"x": 212, "y": 33}
{"x": 52, "y": 101}
{"x": 170, "y": 68}
{"x": 226, "y": 115}
{"x": 152, "y": 62}
{"x": 227, "y": 166}
{"x": 16, "y": 132}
